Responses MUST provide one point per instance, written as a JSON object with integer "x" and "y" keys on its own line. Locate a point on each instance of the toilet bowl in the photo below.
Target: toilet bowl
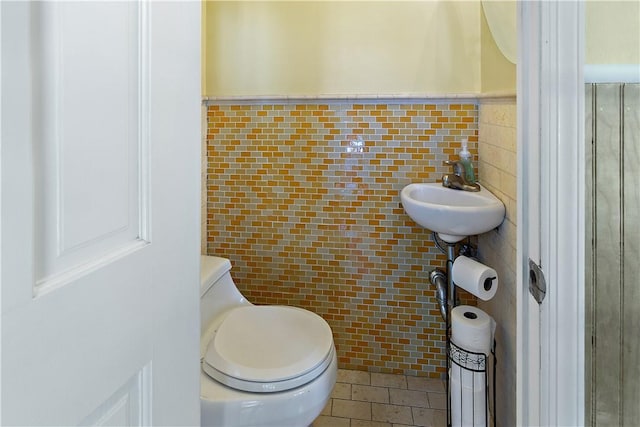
{"x": 260, "y": 365}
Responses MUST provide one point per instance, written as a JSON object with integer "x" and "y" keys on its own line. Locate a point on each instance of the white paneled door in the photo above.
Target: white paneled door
{"x": 100, "y": 160}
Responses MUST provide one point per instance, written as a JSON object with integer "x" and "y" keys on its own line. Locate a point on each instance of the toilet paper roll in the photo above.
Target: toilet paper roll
{"x": 468, "y": 404}
{"x": 472, "y": 329}
{"x": 475, "y": 278}
{"x": 467, "y": 378}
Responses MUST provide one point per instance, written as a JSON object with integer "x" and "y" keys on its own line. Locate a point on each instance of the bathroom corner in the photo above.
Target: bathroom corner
{"x": 497, "y": 171}
{"x": 497, "y": 160}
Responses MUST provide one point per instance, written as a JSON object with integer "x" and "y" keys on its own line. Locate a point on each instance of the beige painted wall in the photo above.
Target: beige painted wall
{"x": 604, "y": 46}
{"x": 341, "y": 48}
{"x": 337, "y": 48}
{"x": 497, "y": 73}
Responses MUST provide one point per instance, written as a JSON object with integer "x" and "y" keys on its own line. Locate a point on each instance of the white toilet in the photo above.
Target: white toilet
{"x": 260, "y": 365}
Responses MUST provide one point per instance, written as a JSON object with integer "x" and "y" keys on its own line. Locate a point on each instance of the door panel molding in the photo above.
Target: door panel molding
{"x": 128, "y": 406}
{"x": 105, "y": 45}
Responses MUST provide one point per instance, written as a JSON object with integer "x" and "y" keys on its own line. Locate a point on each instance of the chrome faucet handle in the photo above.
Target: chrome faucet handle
{"x": 458, "y": 168}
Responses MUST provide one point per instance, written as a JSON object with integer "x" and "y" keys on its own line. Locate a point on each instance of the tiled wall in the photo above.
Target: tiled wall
{"x": 304, "y": 200}
{"x": 497, "y": 170}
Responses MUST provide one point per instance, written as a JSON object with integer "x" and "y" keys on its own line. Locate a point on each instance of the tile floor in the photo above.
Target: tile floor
{"x": 363, "y": 399}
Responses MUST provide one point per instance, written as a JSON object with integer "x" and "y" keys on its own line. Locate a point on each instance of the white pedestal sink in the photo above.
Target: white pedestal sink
{"x": 453, "y": 214}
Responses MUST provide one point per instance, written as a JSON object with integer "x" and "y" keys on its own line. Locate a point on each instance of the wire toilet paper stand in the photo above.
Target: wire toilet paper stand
{"x": 469, "y": 362}
{"x": 474, "y": 364}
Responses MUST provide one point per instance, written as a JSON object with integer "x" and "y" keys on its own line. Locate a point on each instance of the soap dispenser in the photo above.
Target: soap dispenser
{"x": 465, "y": 159}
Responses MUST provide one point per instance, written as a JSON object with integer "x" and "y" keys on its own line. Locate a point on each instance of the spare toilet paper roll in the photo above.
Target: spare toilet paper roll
{"x": 472, "y": 329}
{"x": 474, "y": 277}
{"x": 468, "y": 403}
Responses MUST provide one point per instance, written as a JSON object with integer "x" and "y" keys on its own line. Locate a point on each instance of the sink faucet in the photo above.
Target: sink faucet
{"x": 456, "y": 180}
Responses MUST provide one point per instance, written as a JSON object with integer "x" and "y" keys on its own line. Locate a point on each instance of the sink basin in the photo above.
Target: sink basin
{"x": 453, "y": 214}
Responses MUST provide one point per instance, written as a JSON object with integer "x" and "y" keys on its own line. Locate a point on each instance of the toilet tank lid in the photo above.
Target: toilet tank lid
{"x": 211, "y": 269}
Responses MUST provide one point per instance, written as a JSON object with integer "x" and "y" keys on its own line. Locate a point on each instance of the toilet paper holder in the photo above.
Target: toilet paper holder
{"x": 468, "y": 360}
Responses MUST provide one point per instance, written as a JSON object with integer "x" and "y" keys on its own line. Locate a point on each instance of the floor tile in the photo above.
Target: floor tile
{"x": 437, "y": 400}
{"x": 351, "y": 409}
{"x": 425, "y": 417}
{"x": 388, "y": 380}
{"x": 425, "y": 384}
{"x": 354, "y": 377}
{"x": 341, "y": 391}
{"x": 361, "y": 399}
{"x": 391, "y": 413}
{"x": 408, "y": 397}
{"x": 364, "y": 423}
{"x": 325, "y": 421}
{"x": 367, "y": 393}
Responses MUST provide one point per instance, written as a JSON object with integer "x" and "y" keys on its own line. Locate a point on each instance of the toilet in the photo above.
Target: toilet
{"x": 260, "y": 365}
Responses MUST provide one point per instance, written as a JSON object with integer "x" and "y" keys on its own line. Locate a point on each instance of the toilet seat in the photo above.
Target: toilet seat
{"x": 268, "y": 348}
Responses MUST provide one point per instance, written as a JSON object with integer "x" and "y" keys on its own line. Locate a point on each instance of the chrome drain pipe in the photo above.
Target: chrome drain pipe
{"x": 439, "y": 280}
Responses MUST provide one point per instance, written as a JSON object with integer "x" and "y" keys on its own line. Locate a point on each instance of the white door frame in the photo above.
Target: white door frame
{"x": 550, "y": 346}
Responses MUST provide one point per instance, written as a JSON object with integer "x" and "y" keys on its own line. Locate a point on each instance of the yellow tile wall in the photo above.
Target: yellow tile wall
{"x": 310, "y": 216}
